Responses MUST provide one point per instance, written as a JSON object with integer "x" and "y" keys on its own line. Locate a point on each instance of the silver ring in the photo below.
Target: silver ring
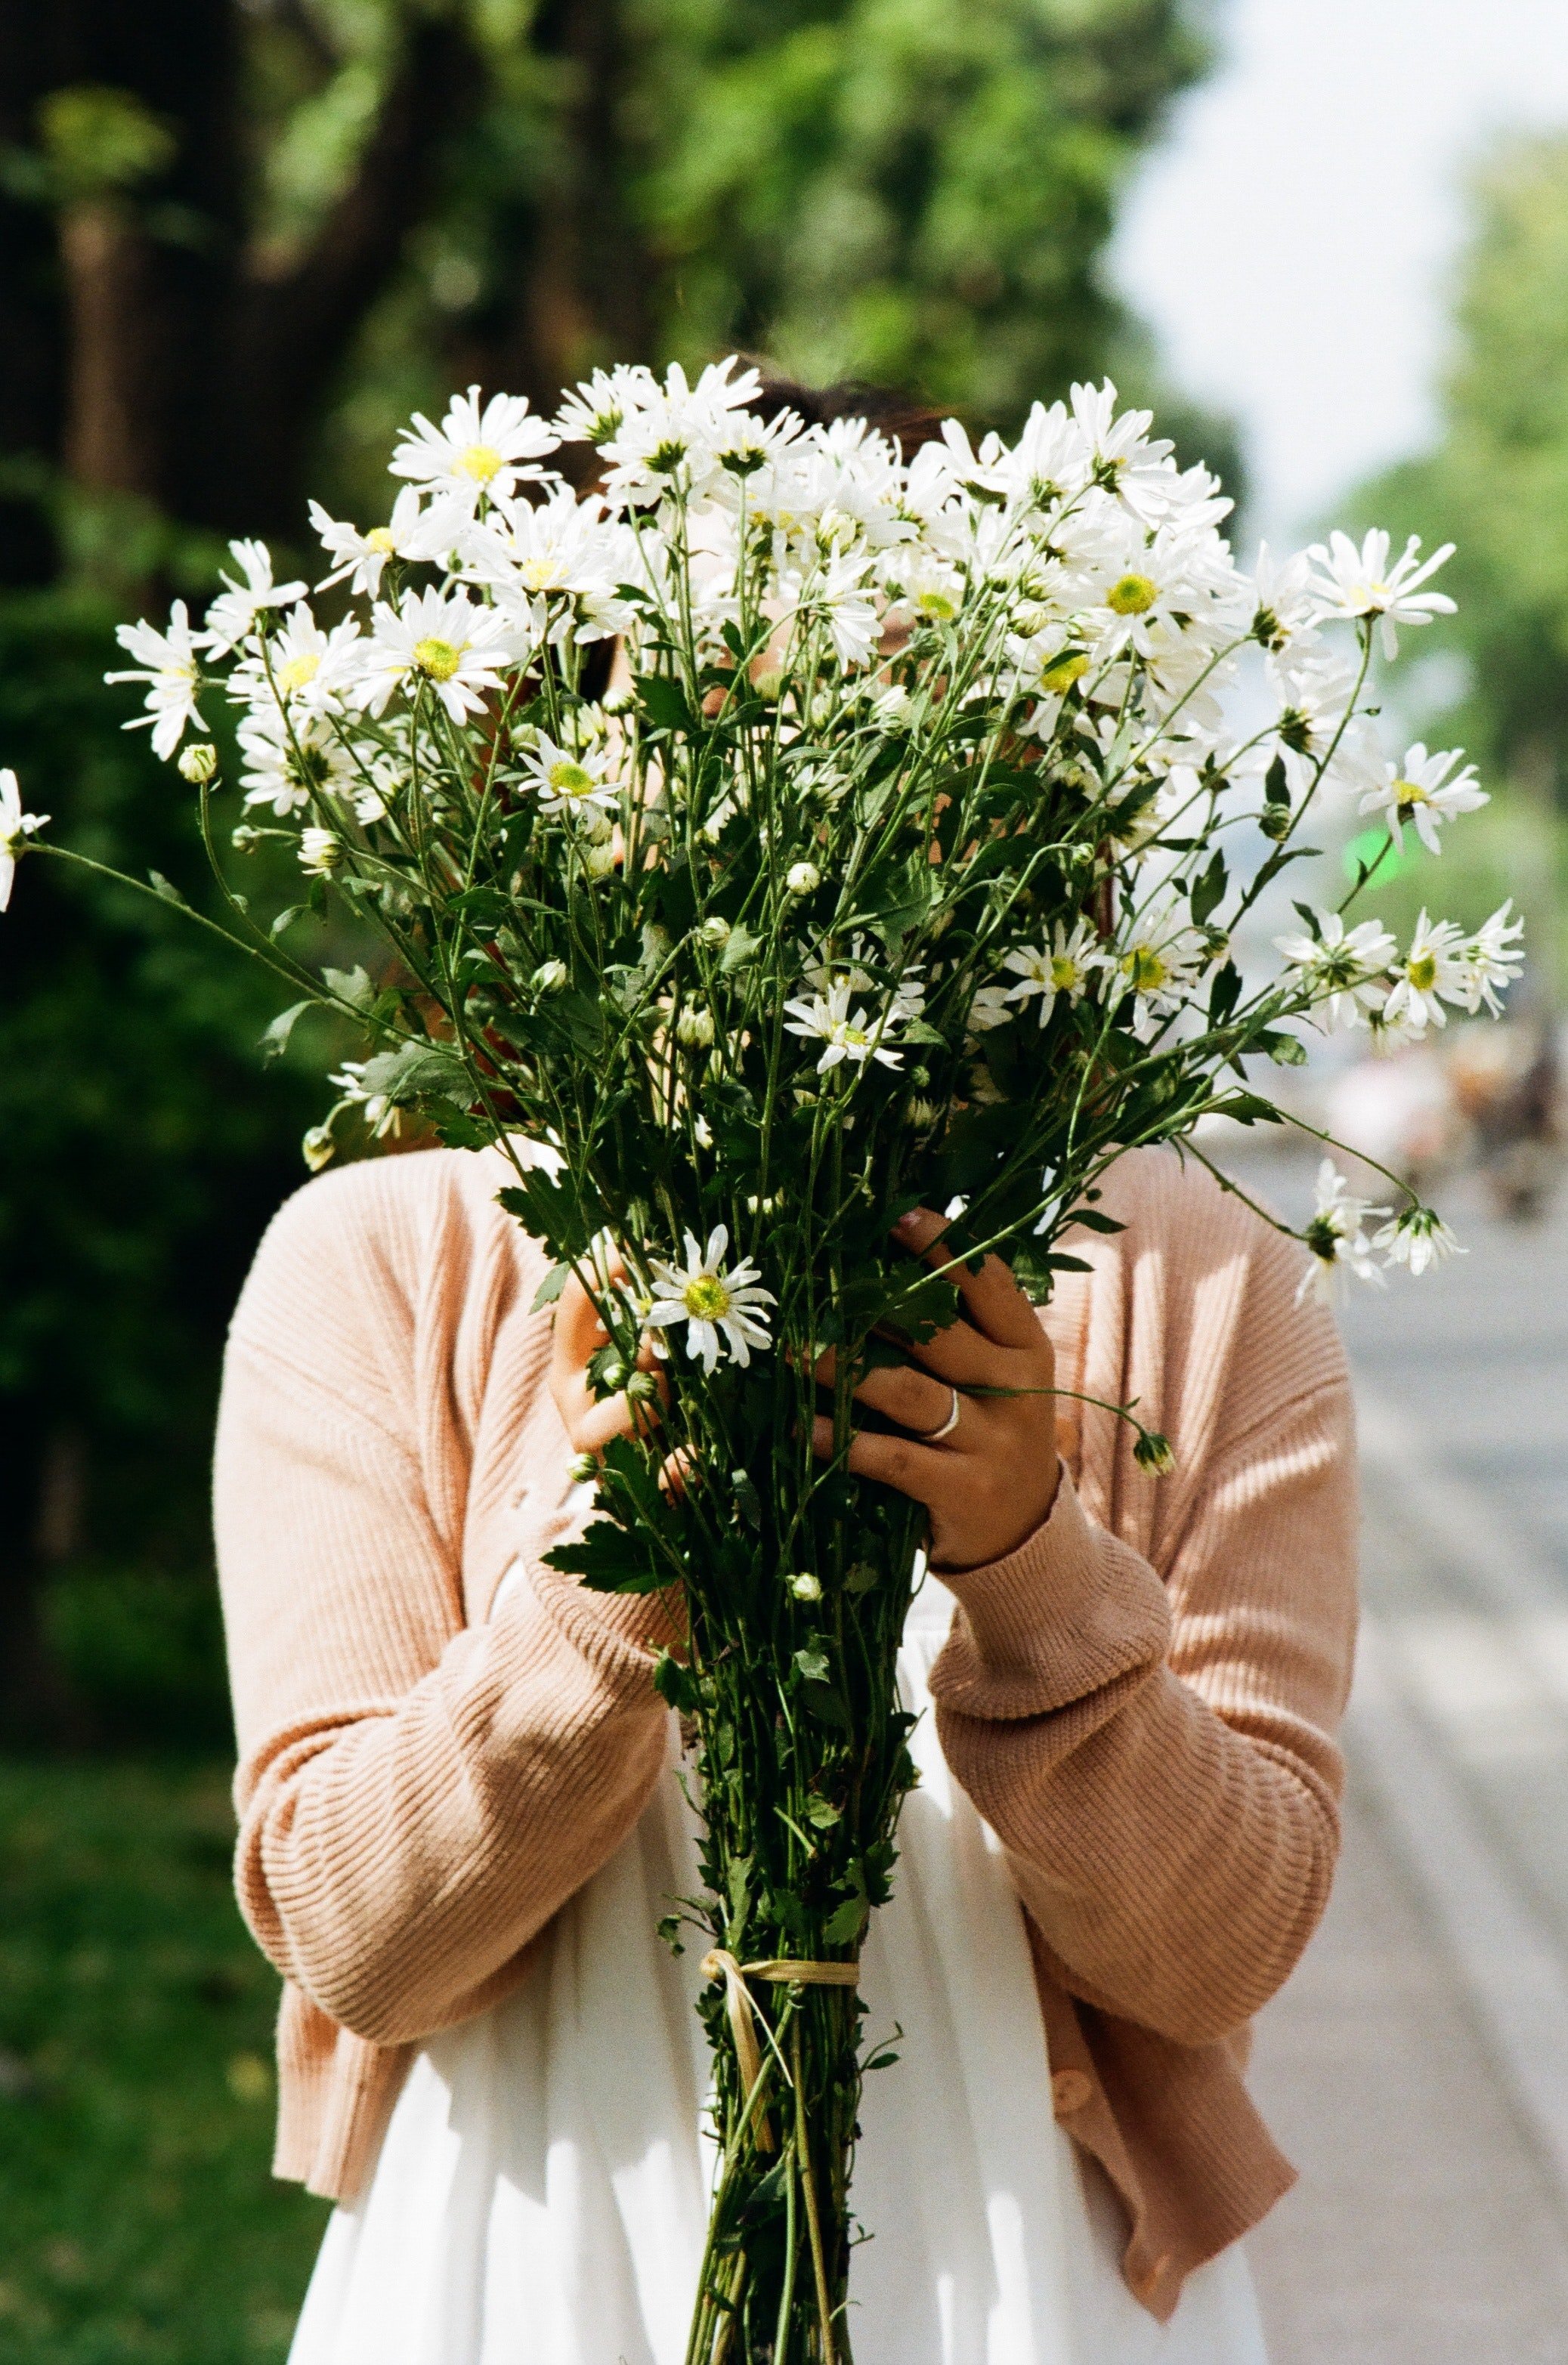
{"x": 930, "y": 1436}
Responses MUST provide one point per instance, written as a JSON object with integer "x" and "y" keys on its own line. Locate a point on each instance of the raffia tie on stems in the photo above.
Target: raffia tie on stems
{"x": 721, "y": 1964}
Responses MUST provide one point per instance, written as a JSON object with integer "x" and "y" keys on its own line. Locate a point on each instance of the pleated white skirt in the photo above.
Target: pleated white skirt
{"x": 540, "y": 2195}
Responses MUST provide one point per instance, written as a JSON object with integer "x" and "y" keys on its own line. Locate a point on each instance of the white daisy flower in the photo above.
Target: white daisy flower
{"x": 1349, "y": 968}
{"x": 1160, "y": 964}
{"x": 1418, "y": 1237}
{"x": 411, "y": 533}
{"x": 1285, "y": 606}
{"x": 568, "y": 783}
{"x": 1420, "y": 792}
{"x": 477, "y": 449}
{"x": 438, "y": 638}
{"x": 16, "y": 828}
{"x": 710, "y": 1301}
{"x": 1351, "y": 582}
{"x": 844, "y": 1032}
{"x": 1337, "y": 1237}
{"x": 287, "y": 759}
{"x": 233, "y": 614}
{"x": 559, "y": 562}
{"x": 1118, "y": 453}
{"x": 170, "y": 664}
{"x": 839, "y": 597}
{"x": 990, "y": 1007}
{"x": 1068, "y": 967}
{"x": 304, "y": 668}
{"x": 1492, "y": 957}
{"x": 1431, "y": 973}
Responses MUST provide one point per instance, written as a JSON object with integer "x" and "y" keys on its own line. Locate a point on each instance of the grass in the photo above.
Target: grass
{"x": 138, "y": 2223}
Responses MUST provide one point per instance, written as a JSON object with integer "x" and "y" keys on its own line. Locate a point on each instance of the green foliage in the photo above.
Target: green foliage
{"x": 1496, "y": 482}
{"x": 138, "y": 2219}
{"x": 144, "y": 1148}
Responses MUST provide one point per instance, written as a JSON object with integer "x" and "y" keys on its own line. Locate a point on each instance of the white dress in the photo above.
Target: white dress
{"x": 540, "y": 2196}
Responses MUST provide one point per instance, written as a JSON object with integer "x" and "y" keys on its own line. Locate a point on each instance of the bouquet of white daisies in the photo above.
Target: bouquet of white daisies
{"x": 791, "y": 830}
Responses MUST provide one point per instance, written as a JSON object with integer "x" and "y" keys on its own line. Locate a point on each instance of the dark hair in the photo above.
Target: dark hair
{"x": 889, "y": 409}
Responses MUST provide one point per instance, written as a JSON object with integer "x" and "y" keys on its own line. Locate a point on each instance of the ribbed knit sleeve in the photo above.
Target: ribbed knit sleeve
{"x": 1149, "y": 1732}
{"x": 417, "y": 1795}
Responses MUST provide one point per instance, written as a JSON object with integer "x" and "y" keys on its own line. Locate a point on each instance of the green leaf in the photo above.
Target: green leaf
{"x": 1208, "y": 893}
{"x": 275, "y": 1042}
{"x": 844, "y": 1926}
{"x": 351, "y": 985}
{"x": 608, "y": 1560}
{"x": 738, "y": 950}
{"x": 822, "y": 1812}
{"x": 665, "y": 704}
{"x": 169, "y": 892}
{"x": 285, "y": 919}
{"x": 1276, "y": 785}
{"x": 415, "y": 1072}
{"x": 1284, "y": 1050}
{"x": 812, "y": 1665}
{"x": 748, "y": 1498}
{"x": 675, "y": 1682}
{"x": 550, "y": 1288}
{"x": 826, "y": 1705}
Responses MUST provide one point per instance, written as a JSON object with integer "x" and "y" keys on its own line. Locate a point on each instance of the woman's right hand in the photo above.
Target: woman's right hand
{"x": 590, "y": 1420}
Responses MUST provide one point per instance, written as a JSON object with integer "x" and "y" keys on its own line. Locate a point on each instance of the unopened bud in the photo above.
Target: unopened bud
{"x": 804, "y": 1585}
{"x": 803, "y": 879}
{"x": 714, "y": 932}
{"x": 695, "y": 1029}
{"x": 583, "y": 1467}
{"x": 549, "y": 976}
{"x": 317, "y": 1148}
{"x": 199, "y": 762}
{"x": 320, "y": 851}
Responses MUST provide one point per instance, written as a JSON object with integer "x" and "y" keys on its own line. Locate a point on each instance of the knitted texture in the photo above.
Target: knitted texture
{"x": 1140, "y": 1700}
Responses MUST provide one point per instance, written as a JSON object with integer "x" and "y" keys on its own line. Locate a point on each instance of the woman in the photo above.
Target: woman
{"x": 458, "y": 1821}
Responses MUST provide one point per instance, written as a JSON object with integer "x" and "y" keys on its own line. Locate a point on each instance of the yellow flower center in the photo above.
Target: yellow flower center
{"x": 705, "y": 1299}
{"x": 1061, "y": 675}
{"x": 1410, "y": 792}
{"x": 1064, "y": 973}
{"x": 1422, "y": 972}
{"x": 1134, "y": 595}
{"x": 542, "y": 574}
{"x": 937, "y": 607}
{"x": 379, "y": 538}
{"x": 570, "y": 780}
{"x": 298, "y": 672}
{"x": 480, "y": 461}
{"x": 438, "y": 659}
{"x": 1145, "y": 969}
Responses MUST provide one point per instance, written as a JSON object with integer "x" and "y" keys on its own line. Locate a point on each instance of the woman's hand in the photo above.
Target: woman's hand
{"x": 991, "y": 1479}
{"x": 590, "y": 1420}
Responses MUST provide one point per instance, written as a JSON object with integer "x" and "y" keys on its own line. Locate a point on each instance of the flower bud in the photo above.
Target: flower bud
{"x": 317, "y": 1148}
{"x": 642, "y": 1388}
{"x": 803, "y": 879}
{"x": 549, "y": 976}
{"x": 198, "y": 763}
{"x": 320, "y": 851}
{"x": 1152, "y": 1452}
{"x": 244, "y": 838}
{"x": 598, "y": 861}
{"x": 714, "y": 932}
{"x": 804, "y": 1585}
{"x": 584, "y": 1468}
{"x": 695, "y": 1029}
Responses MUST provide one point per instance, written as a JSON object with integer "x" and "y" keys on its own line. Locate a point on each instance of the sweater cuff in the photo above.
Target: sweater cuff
{"x": 1072, "y": 1610}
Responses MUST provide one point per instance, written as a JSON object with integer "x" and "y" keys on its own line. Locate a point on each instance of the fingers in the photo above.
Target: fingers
{"x": 921, "y": 1472}
{"x": 992, "y": 1299}
{"x": 907, "y": 1396}
{"x": 588, "y": 1420}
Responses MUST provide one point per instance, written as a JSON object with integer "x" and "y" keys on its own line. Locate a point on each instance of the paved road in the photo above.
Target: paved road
{"x": 1417, "y": 2066}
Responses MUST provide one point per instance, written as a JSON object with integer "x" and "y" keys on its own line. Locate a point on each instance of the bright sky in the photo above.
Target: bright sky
{"x": 1292, "y": 240}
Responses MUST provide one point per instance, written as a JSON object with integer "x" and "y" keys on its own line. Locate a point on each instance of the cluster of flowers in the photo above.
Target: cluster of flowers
{"x": 1076, "y": 582}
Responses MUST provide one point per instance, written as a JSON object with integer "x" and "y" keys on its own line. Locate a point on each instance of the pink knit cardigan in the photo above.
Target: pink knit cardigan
{"x": 1141, "y": 1699}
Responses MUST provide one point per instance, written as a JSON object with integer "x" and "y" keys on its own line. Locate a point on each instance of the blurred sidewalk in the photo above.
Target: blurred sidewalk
{"x": 1417, "y": 2066}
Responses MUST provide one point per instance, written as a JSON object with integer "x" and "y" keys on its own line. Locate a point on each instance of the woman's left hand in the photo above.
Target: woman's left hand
{"x": 990, "y": 1479}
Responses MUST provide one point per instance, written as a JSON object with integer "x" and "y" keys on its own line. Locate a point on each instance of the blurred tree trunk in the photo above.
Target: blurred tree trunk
{"x": 192, "y": 369}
